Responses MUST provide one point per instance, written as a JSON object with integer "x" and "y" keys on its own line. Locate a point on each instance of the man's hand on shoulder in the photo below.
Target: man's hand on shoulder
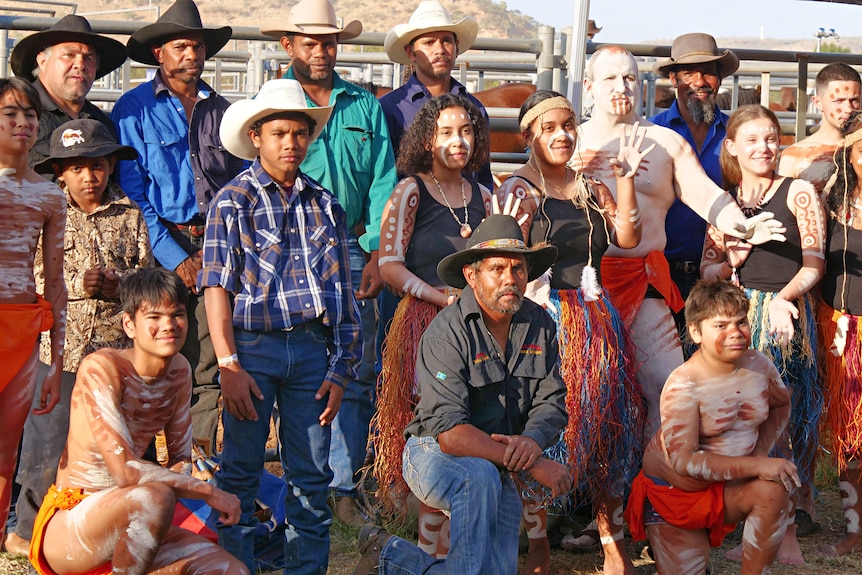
{"x": 237, "y": 388}
{"x": 333, "y": 404}
{"x": 521, "y": 452}
{"x": 227, "y": 504}
{"x": 371, "y": 280}
{"x": 555, "y": 476}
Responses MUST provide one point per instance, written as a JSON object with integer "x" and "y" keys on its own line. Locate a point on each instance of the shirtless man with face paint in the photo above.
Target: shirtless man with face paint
{"x": 708, "y": 467}
{"x": 110, "y": 511}
{"x": 638, "y": 278}
{"x": 837, "y": 95}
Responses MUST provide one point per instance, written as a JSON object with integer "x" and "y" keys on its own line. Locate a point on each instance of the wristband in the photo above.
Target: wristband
{"x": 228, "y": 360}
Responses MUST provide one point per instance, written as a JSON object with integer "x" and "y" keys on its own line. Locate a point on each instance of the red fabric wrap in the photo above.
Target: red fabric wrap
{"x": 626, "y": 279}
{"x": 20, "y": 325}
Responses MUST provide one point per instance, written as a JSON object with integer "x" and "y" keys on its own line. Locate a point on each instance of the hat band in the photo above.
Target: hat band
{"x": 505, "y": 243}
{"x": 710, "y": 54}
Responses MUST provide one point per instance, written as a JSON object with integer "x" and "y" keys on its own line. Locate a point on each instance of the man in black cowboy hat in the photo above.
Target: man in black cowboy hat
{"x": 491, "y": 399}
{"x": 695, "y": 68}
{"x": 63, "y": 62}
{"x": 173, "y": 121}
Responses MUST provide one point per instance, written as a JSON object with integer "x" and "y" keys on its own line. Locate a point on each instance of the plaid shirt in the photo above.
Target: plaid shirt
{"x": 284, "y": 256}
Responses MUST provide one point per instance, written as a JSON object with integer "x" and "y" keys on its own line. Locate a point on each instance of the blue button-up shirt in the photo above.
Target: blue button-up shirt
{"x": 403, "y": 103}
{"x": 353, "y": 157}
{"x": 180, "y": 167}
{"x": 283, "y": 253}
{"x": 685, "y": 229}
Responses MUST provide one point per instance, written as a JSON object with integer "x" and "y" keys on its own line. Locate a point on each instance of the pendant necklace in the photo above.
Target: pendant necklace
{"x": 750, "y": 211}
{"x": 466, "y": 230}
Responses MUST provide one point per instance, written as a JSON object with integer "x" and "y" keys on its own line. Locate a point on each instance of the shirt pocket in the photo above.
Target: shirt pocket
{"x": 357, "y": 143}
{"x": 323, "y": 255}
{"x": 214, "y": 158}
{"x": 265, "y": 258}
{"x": 165, "y": 150}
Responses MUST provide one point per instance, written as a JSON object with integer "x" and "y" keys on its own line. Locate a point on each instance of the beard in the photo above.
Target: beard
{"x": 493, "y": 302}
{"x": 702, "y": 111}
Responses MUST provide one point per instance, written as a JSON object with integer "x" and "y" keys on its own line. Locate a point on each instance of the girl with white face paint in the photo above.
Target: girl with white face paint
{"x": 838, "y": 316}
{"x": 429, "y": 216}
{"x": 582, "y": 218}
{"x": 777, "y": 277}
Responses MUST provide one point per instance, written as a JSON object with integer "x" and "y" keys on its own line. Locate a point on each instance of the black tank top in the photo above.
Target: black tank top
{"x": 772, "y": 265}
{"x": 436, "y": 234}
{"x": 576, "y": 232}
{"x": 833, "y": 283}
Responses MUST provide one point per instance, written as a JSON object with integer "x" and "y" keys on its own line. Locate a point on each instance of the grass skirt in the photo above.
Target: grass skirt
{"x": 797, "y": 365}
{"x": 396, "y": 398}
{"x": 604, "y": 439}
{"x": 842, "y": 382}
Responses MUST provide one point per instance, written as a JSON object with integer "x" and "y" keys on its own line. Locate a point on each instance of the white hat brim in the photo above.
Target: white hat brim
{"x": 401, "y": 35}
{"x": 239, "y": 117}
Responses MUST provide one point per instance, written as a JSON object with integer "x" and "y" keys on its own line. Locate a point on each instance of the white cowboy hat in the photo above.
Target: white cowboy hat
{"x": 311, "y": 18}
{"x": 275, "y": 96}
{"x": 430, "y": 16}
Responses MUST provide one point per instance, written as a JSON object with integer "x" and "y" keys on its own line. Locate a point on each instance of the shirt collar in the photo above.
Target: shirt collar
{"x": 113, "y": 196}
{"x": 301, "y": 185}
{"x": 674, "y": 114}
{"x": 339, "y": 86}
{"x": 160, "y": 87}
{"x": 416, "y": 89}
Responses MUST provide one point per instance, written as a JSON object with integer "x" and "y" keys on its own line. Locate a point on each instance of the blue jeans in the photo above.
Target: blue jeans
{"x": 350, "y": 426}
{"x": 289, "y": 367}
{"x": 484, "y": 508}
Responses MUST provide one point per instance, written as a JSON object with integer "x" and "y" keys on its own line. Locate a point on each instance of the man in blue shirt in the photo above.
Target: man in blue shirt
{"x": 431, "y": 42}
{"x": 173, "y": 122}
{"x": 353, "y": 158}
{"x": 695, "y": 69}
{"x": 285, "y": 325}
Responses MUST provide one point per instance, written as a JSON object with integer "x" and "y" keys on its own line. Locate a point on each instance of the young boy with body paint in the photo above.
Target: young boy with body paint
{"x": 708, "y": 467}
{"x": 110, "y": 511}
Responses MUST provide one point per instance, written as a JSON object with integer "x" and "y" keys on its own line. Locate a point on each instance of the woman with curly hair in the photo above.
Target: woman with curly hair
{"x": 579, "y": 216}
{"x": 840, "y": 329}
{"x": 429, "y": 216}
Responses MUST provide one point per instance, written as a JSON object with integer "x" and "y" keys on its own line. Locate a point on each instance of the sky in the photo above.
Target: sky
{"x": 634, "y": 21}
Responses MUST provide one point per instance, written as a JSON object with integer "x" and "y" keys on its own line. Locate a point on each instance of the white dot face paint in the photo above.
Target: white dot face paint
{"x": 453, "y": 140}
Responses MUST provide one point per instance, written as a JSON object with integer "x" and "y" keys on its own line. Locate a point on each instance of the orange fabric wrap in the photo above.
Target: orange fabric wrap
{"x": 20, "y": 325}
{"x": 54, "y": 501}
{"x": 626, "y": 280}
{"x": 683, "y": 509}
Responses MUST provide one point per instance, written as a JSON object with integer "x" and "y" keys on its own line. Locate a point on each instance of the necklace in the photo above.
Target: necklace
{"x": 466, "y": 230}
{"x": 751, "y": 210}
{"x": 561, "y": 190}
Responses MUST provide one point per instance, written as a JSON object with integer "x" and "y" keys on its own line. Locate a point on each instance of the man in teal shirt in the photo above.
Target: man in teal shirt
{"x": 352, "y": 157}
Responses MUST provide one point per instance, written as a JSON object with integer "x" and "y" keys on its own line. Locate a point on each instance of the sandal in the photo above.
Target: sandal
{"x": 805, "y": 525}
{"x": 586, "y": 541}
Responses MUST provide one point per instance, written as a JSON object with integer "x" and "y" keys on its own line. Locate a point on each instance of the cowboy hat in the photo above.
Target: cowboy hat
{"x": 70, "y": 28}
{"x": 430, "y": 16}
{"x": 497, "y": 234}
{"x": 312, "y": 18}
{"x": 592, "y": 28}
{"x": 181, "y": 18}
{"x": 275, "y": 96}
{"x": 85, "y": 138}
{"x": 697, "y": 48}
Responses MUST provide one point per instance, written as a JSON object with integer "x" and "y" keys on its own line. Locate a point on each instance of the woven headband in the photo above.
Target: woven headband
{"x": 852, "y": 138}
{"x": 555, "y": 103}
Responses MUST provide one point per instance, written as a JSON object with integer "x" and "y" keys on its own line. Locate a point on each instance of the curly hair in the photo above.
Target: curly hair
{"x": 839, "y": 193}
{"x": 731, "y": 174}
{"x": 415, "y": 155}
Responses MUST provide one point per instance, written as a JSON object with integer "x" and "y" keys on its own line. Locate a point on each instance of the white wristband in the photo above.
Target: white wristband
{"x": 228, "y": 360}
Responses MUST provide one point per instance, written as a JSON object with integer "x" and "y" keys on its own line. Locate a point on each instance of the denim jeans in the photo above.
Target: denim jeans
{"x": 289, "y": 367}
{"x": 484, "y": 509}
{"x": 350, "y": 426}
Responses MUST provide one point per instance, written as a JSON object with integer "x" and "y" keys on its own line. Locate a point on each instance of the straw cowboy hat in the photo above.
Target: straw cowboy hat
{"x": 430, "y": 16}
{"x": 180, "y": 19}
{"x": 312, "y": 18}
{"x": 697, "y": 48}
{"x": 497, "y": 234}
{"x": 85, "y": 138}
{"x": 275, "y": 96}
{"x": 70, "y": 28}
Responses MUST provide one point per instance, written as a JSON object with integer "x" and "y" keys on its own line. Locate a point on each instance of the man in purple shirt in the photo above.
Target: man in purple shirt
{"x": 695, "y": 68}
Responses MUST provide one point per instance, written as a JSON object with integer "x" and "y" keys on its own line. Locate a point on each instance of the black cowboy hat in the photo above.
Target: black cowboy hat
{"x": 181, "y": 18}
{"x": 497, "y": 234}
{"x": 70, "y": 28}
{"x": 83, "y": 138}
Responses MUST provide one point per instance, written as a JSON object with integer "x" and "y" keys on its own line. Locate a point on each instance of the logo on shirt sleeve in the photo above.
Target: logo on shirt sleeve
{"x": 441, "y": 376}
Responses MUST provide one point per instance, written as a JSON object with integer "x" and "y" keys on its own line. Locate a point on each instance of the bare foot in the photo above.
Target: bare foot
{"x": 538, "y": 558}
{"x": 617, "y": 560}
{"x": 17, "y": 546}
{"x": 734, "y": 554}
{"x": 789, "y": 553}
{"x": 850, "y": 543}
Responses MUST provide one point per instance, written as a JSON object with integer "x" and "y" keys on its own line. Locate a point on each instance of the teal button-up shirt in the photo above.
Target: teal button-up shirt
{"x": 353, "y": 157}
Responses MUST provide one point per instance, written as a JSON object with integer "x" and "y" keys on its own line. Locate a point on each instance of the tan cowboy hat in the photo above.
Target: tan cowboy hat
{"x": 697, "y": 48}
{"x": 275, "y": 96}
{"x": 430, "y": 16}
{"x": 181, "y": 18}
{"x": 312, "y": 18}
{"x": 497, "y": 234}
{"x": 70, "y": 28}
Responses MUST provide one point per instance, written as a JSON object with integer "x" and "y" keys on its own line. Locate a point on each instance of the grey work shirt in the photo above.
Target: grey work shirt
{"x": 464, "y": 377}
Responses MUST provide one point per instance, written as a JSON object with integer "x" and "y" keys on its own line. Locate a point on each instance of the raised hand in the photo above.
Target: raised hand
{"x": 629, "y": 159}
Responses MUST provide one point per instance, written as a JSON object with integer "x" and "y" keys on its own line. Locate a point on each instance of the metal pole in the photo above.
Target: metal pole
{"x": 578, "y": 58}
{"x": 801, "y": 97}
{"x": 545, "y": 62}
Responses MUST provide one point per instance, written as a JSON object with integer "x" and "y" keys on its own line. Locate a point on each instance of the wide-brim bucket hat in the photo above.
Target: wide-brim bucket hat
{"x": 84, "y": 138}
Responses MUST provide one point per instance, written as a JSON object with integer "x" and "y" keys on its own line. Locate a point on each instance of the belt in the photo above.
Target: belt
{"x": 195, "y": 227}
{"x": 685, "y": 267}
